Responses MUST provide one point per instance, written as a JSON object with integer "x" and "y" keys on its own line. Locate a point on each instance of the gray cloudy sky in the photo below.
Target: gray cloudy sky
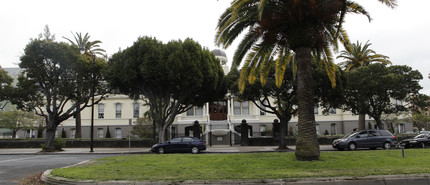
{"x": 401, "y": 33}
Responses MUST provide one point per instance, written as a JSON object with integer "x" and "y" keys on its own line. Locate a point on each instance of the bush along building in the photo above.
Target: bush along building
{"x": 218, "y": 123}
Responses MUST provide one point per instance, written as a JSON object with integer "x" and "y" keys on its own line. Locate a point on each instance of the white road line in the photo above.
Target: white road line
{"x": 11, "y": 160}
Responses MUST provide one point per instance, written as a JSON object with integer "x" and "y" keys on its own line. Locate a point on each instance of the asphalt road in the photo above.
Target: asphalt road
{"x": 15, "y": 167}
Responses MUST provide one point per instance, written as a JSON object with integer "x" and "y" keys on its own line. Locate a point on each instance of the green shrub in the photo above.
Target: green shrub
{"x": 59, "y": 144}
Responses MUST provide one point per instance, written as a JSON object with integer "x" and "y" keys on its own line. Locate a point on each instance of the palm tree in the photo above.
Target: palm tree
{"x": 356, "y": 56}
{"x": 90, "y": 48}
{"x": 276, "y": 26}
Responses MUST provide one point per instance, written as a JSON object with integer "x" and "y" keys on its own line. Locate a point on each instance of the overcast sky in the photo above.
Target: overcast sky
{"x": 401, "y": 33}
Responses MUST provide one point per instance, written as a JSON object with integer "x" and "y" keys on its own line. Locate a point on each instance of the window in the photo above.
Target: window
{"x": 315, "y": 109}
{"x": 245, "y": 108}
{"x": 363, "y": 134}
{"x": 373, "y": 133}
{"x": 402, "y": 128}
{"x": 262, "y": 109}
{"x": 74, "y": 113}
{"x": 333, "y": 129}
{"x": 195, "y": 111}
{"x": 236, "y": 108}
{"x": 72, "y": 133}
{"x": 100, "y": 133}
{"x": 118, "y": 110}
{"x": 199, "y": 111}
{"x": 136, "y": 110}
{"x": 317, "y": 128}
{"x": 332, "y": 110}
{"x": 262, "y": 128}
{"x": 101, "y": 110}
{"x": 187, "y": 140}
{"x": 118, "y": 133}
{"x": 241, "y": 108}
{"x": 175, "y": 140}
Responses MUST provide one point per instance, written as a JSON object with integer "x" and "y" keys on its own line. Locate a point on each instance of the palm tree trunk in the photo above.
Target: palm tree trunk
{"x": 307, "y": 147}
{"x": 362, "y": 122}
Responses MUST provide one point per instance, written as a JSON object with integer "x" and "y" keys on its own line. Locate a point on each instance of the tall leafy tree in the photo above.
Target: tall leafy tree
{"x": 270, "y": 98}
{"x": 169, "y": 77}
{"x": 48, "y": 84}
{"x": 303, "y": 26}
{"x": 5, "y": 86}
{"x": 90, "y": 48}
{"x": 357, "y": 55}
{"x": 378, "y": 89}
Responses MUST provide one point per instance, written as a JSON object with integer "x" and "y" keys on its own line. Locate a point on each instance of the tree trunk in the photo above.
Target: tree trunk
{"x": 14, "y": 134}
{"x": 307, "y": 147}
{"x": 78, "y": 131}
{"x": 361, "y": 121}
{"x": 50, "y": 136}
{"x": 282, "y": 131}
{"x": 379, "y": 123}
{"x": 160, "y": 133}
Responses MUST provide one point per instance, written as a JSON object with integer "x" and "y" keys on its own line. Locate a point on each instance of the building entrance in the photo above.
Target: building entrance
{"x": 218, "y": 110}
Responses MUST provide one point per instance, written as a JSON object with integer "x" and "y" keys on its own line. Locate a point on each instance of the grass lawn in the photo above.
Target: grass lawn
{"x": 178, "y": 167}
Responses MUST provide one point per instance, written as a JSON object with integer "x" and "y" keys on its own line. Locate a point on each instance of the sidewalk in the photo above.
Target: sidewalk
{"x": 213, "y": 149}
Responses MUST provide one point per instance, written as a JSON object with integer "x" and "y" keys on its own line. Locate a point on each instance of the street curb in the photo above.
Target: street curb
{"x": 423, "y": 179}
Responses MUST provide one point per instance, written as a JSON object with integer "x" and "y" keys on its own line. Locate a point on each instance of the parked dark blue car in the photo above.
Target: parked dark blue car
{"x": 180, "y": 144}
{"x": 365, "y": 139}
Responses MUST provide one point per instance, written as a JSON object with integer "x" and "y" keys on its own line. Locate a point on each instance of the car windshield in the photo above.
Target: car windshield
{"x": 421, "y": 136}
{"x": 349, "y": 135}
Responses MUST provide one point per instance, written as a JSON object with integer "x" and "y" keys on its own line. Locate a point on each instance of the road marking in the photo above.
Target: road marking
{"x": 10, "y": 160}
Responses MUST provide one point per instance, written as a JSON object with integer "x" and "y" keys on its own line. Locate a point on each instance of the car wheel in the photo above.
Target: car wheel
{"x": 195, "y": 150}
{"x": 161, "y": 150}
{"x": 352, "y": 146}
{"x": 386, "y": 145}
{"x": 422, "y": 145}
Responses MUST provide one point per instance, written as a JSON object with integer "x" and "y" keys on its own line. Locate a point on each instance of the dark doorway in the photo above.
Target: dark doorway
{"x": 218, "y": 110}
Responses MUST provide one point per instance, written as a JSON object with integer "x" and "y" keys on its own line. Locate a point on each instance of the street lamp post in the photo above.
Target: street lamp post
{"x": 92, "y": 104}
{"x": 92, "y": 98}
